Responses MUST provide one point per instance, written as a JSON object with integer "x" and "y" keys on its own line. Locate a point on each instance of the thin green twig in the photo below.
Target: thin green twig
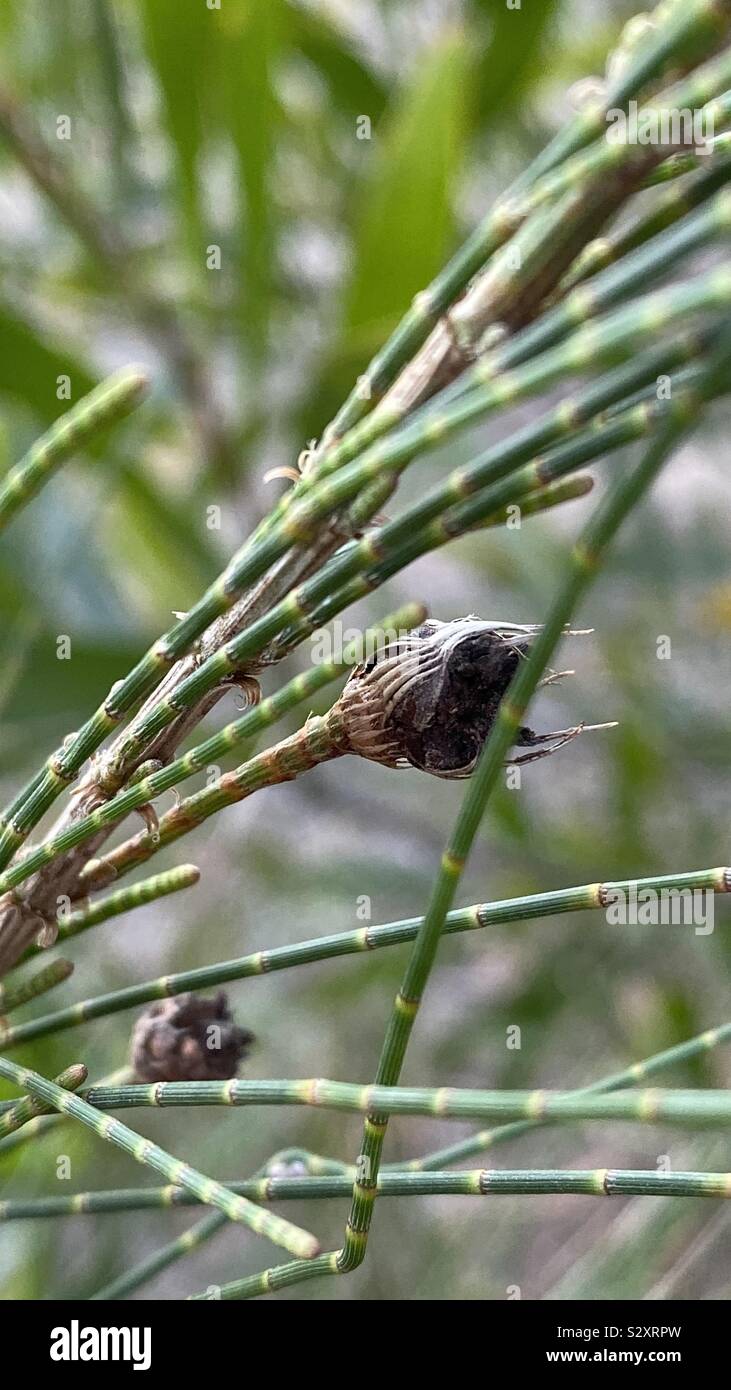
{"x": 480, "y": 1182}
{"x": 585, "y": 559}
{"x": 107, "y": 403}
{"x": 127, "y": 899}
{"x": 359, "y": 941}
{"x": 29, "y": 1108}
{"x": 209, "y": 1191}
{"x": 443, "y": 1103}
{"x": 616, "y": 335}
{"x": 22, "y": 991}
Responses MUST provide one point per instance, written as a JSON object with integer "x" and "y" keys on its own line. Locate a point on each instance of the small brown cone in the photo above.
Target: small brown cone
{"x": 188, "y": 1038}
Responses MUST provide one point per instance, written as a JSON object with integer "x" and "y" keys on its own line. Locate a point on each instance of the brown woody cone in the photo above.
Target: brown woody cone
{"x": 189, "y": 1038}
{"x": 430, "y": 699}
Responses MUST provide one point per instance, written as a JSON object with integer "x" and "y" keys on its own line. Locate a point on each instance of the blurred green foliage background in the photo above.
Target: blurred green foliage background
{"x": 193, "y": 129}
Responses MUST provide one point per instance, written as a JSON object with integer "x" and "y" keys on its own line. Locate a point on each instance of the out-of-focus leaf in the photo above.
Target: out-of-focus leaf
{"x": 29, "y": 368}
{"x": 113, "y": 95}
{"x": 515, "y": 51}
{"x": 78, "y": 684}
{"x": 7, "y": 20}
{"x": 250, "y": 46}
{"x": 50, "y": 40}
{"x": 405, "y": 218}
{"x": 15, "y": 648}
{"x": 403, "y": 215}
{"x": 161, "y": 574}
{"x": 181, "y": 537}
{"x": 179, "y": 39}
{"x": 353, "y": 86}
{"x": 715, "y": 608}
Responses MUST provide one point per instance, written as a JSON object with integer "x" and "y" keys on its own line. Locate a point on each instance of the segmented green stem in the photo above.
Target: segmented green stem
{"x": 107, "y": 403}
{"x": 639, "y": 1071}
{"x": 680, "y": 164}
{"x": 519, "y": 281}
{"x": 42, "y": 1124}
{"x": 127, "y": 899}
{"x": 281, "y": 761}
{"x": 135, "y": 1199}
{"x": 184, "y": 1244}
{"x": 360, "y": 941}
{"x": 446, "y": 1102}
{"x": 22, "y": 991}
{"x": 377, "y": 557}
{"x": 599, "y": 343}
{"x": 478, "y": 1183}
{"x": 617, "y": 334}
{"x": 701, "y": 89}
{"x": 584, "y": 561}
{"x": 250, "y": 564}
{"x": 410, "y": 994}
{"x": 31, "y": 803}
{"x": 518, "y": 489}
{"x": 634, "y": 271}
{"x": 691, "y": 27}
{"x": 208, "y": 1191}
{"x": 29, "y": 1108}
{"x": 703, "y": 17}
{"x": 488, "y": 385}
{"x": 259, "y": 717}
{"x": 187, "y": 1241}
{"x": 318, "y": 741}
{"x": 704, "y": 89}
{"x": 667, "y": 209}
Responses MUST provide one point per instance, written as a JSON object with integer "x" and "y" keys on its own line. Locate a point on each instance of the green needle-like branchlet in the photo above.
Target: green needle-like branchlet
{"x": 127, "y": 899}
{"x": 443, "y": 1103}
{"x": 360, "y": 941}
{"x": 189, "y": 1240}
{"x": 50, "y": 1119}
{"x": 22, "y": 991}
{"x": 584, "y": 562}
{"x": 483, "y": 1182}
{"x": 209, "y": 1191}
{"x": 634, "y": 271}
{"x": 29, "y": 1108}
{"x": 667, "y": 209}
{"x": 261, "y": 716}
{"x": 184, "y": 1244}
{"x": 701, "y": 89}
{"x": 312, "y": 745}
{"x": 680, "y": 164}
{"x": 617, "y": 335}
{"x": 107, "y": 403}
{"x": 630, "y": 1076}
{"x": 525, "y": 305}
{"x": 699, "y": 18}
{"x": 585, "y": 559}
{"x": 376, "y": 558}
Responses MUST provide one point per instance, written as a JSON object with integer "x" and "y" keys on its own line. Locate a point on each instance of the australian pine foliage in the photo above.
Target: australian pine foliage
{"x": 186, "y": 177}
